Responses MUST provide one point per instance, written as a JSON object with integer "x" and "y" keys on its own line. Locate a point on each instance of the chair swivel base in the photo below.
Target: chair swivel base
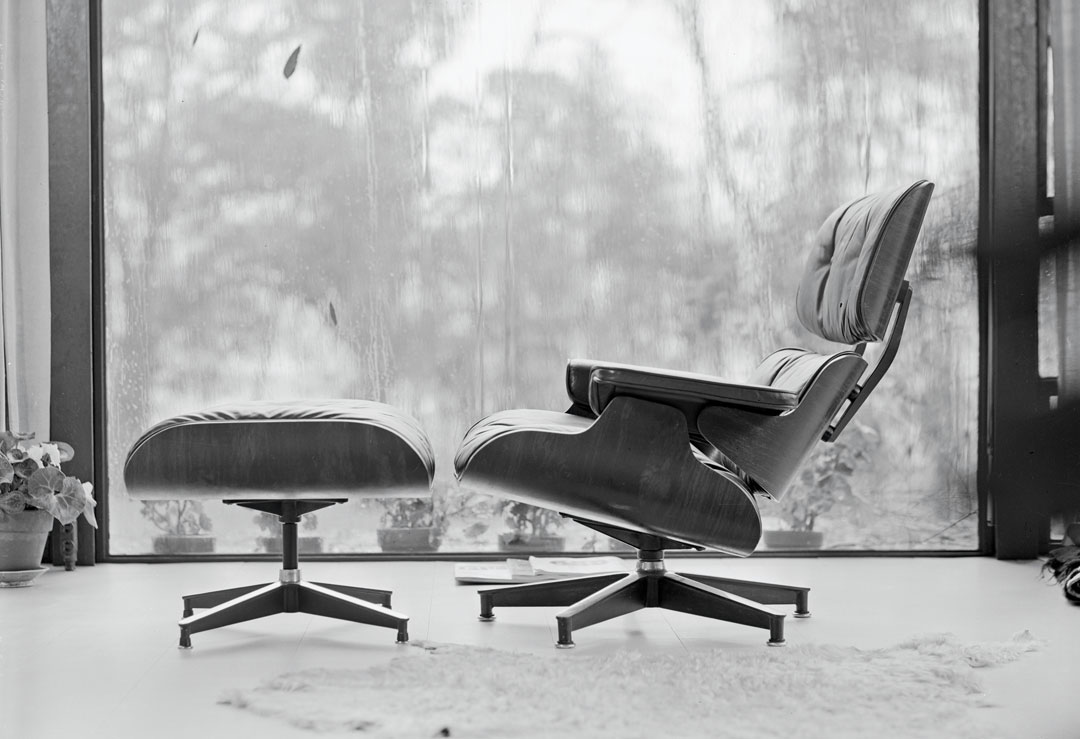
{"x": 290, "y": 594}
{"x": 598, "y": 598}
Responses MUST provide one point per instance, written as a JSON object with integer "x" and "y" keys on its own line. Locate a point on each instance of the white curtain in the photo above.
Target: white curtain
{"x": 24, "y": 218}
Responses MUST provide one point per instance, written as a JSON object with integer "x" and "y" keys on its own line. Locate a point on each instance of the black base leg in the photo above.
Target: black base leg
{"x": 621, "y": 597}
{"x": 216, "y": 597}
{"x": 765, "y": 593}
{"x": 321, "y": 601}
{"x": 372, "y": 595}
{"x": 264, "y": 601}
{"x": 547, "y": 593}
{"x": 678, "y": 593}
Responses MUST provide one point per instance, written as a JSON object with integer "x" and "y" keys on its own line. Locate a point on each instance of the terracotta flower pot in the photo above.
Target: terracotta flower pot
{"x": 304, "y": 544}
{"x": 793, "y": 539}
{"x": 419, "y": 539}
{"x": 22, "y": 539}
{"x": 514, "y": 542}
{"x": 183, "y": 544}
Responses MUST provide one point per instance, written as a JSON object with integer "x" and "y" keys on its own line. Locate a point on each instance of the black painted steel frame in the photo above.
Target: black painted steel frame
{"x": 1015, "y": 523}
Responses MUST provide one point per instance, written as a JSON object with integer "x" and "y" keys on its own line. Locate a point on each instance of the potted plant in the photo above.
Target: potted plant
{"x": 34, "y": 492}
{"x": 270, "y": 541}
{"x": 823, "y": 484}
{"x": 531, "y": 528}
{"x": 184, "y": 526}
{"x": 410, "y": 525}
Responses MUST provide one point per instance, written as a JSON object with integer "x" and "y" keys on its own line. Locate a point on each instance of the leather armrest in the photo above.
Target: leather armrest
{"x": 578, "y": 377}
{"x": 607, "y": 380}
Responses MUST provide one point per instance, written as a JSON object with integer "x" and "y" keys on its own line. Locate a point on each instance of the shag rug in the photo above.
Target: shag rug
{"x": 925, "y": 687}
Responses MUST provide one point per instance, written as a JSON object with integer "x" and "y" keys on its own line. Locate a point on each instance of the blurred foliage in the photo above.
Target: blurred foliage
{"x": 271, "y": 524}
{"x": 177, "y": 517}
{"x": 527, "y": 521}
{"x": 824, "y": 483}
{"x": 408, "y": 513}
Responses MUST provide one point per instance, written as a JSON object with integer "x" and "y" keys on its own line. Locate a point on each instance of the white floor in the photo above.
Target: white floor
{"x": 93, "y": 653}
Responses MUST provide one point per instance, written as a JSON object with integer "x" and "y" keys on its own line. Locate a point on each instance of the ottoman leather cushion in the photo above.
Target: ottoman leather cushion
{"x": 302, "y": 449}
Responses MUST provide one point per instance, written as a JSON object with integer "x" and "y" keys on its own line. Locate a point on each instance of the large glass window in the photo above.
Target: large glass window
{"x": 435, "y": 204}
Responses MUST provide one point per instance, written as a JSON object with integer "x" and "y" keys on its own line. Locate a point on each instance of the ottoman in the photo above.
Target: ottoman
{"x": 289, "y": 459}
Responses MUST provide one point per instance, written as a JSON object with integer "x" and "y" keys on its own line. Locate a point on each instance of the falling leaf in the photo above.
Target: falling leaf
{"x": 196, "y": 36}
{"x": 333, "y": 314}
{"x": 290, "y": 65}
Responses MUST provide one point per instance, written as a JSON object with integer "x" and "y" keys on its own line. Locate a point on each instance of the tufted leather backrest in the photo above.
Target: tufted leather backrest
{"x": 853, "y": 277}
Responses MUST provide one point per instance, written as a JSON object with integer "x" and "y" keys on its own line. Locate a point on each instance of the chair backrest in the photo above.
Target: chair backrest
{"x": 854, "y": 275}
{"x": 852, "y": 288}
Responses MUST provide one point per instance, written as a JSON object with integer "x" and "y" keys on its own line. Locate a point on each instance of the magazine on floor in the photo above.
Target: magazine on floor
{"x": 535, "y": 569}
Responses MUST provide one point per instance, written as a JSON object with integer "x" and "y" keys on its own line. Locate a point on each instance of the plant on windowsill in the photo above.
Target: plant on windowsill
{"x": 270, "y": 541}
{"x": 183, "y": 524}
{"x": 823, "y": 485}
{"x": 34, "y": 492}
{"x": 410, "y": 525}
{"x": 531, "y": 528}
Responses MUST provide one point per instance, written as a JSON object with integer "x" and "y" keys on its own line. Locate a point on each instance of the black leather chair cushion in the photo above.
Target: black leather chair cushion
{"x": 508, "y": 422}
{"x": 853, "y": 277}
{"x": 513, "y": 421}
{"x": 282, "y": 450}
{"x": 790, "y": 369}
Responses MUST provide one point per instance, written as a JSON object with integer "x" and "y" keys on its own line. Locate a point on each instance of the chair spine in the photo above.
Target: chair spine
{"x": 861, "y": 391}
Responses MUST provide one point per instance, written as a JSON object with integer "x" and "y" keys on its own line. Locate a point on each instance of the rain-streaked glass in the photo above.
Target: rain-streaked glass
{"x": 435, "y": 204}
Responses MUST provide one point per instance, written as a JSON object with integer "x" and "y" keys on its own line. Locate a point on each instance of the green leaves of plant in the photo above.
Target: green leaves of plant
{"x": 12, "y": 502}
{"x": 43, "y": 486}
{"x": 30, "y": 477}
{"x": 62, "y": 496}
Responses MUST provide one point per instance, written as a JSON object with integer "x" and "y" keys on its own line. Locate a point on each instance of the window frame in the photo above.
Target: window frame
{"x": 1010, "y": 521}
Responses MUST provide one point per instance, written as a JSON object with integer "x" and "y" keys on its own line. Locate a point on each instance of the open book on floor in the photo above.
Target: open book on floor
{"x": 535, "y": 569}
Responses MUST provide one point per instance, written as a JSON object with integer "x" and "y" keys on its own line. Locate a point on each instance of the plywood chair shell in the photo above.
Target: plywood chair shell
{"x": 632, "y": 468}
{"x": 771, "y": 449}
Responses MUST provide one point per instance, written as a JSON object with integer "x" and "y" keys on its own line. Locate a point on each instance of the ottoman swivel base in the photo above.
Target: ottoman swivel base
{"x": 290, "y": 594}
{"x": 286, "y": 458}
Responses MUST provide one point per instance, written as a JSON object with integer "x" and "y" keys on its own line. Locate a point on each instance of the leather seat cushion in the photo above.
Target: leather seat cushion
{"x": 282, "y": 449}
{"x": 791, "y": 369}
{"x": 513, "y": 421}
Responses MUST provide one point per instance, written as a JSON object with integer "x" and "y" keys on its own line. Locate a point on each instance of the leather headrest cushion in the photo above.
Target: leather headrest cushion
{"x": 854, "y": 274}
